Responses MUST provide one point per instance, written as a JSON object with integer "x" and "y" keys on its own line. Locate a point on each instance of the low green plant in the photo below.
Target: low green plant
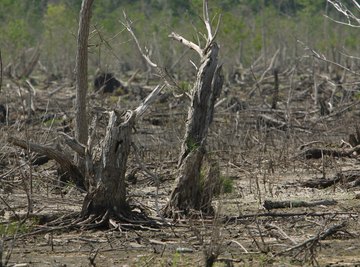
{"x": 52, "y": 122}
{"x": 185, "y": 86}
{"x": 227, "y": 184}
{"x": 12, "y": 228}
{"x": 191, "y": 144}
{"x": 176, "y": 259}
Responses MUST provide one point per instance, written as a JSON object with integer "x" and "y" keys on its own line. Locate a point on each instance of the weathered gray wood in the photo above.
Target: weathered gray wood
{"x": 189, "y": 192}
{"x": 54, "y": 154}
{"x": 107, "y": 190}
{"x": 81, "y": 129}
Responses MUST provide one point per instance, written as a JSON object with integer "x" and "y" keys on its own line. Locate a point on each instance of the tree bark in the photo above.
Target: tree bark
{"x": 107, "y": 191}
{"x": 189, "y": 191}
{"x": 81, "y": 129}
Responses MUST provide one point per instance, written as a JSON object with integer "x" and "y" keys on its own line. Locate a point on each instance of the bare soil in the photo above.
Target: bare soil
{"x": 261, "y": 161}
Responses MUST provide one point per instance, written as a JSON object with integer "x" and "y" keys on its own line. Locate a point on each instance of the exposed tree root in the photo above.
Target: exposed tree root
{"x": 122, "y": 221}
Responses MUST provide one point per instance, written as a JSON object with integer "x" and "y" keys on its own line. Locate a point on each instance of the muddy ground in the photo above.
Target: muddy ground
{"x": 260, "y": 160}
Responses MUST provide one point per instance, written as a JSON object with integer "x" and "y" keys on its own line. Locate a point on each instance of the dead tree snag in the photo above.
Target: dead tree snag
{"x": 81, "y": 129}
{"x": 106, "y": 177}
{"x": 107, "y": 187}
{"x": 188, "y": 193}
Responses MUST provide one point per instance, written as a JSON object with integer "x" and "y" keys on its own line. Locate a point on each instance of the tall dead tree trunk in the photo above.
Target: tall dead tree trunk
{"x": 81, "y": 129}
{"x": 189, "y": 191}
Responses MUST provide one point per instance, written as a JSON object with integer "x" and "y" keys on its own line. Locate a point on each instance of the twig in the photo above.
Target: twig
{"x": 92, "y": 258}
{"x": 240, "y": 245}
{"x": 271, "y": 65}
{"x": 323, "y": 58}
{"x": 169, "y": 81}
{"x": 10, "y": 209}
{"x": 148, "y": 100}
{"x": 12, "y": 170}
{"x": 127, "y": 25}
{"x": 187, "y": 43}
{"x": 154, "y": 177}
{"x": 282, "y": 233}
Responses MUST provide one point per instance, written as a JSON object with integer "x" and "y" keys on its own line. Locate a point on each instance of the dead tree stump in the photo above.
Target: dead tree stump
{"x": 188, "y": 193}
{"x": 107, "y": 190}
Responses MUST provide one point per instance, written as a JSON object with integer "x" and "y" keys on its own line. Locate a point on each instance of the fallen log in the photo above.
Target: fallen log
{"x": 318, "y": 153}
{"x": 349, "y": 178}
{"x": 269, "y": 204}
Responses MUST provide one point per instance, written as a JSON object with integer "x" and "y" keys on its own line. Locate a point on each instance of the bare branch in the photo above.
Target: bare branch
{"x": 217, "y": 27}
{"x": 342, "y": 23}
{"x": 54, "y": 154}
{"x": 127, "y": 25}
{"x": 148, "y": 100}
{"x": 270, "y": 66}
{"x": 74, "y": 144}
{"x": 207, "y": 20}
{"x": 341, "y": 8}
{"x": 356, "y": 4}
{"x": 314, "y": 240}
{"x": 323, "y": 58}
{"x": 187, "y": 43}
{"x": 349, "y": 56}
{"x": 169, "y": 81}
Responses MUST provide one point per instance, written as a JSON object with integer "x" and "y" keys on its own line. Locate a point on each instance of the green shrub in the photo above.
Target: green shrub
{"x": 227, "y": 184}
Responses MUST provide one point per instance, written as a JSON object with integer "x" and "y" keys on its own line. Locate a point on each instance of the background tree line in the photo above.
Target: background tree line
{"x": 249, "y": 29}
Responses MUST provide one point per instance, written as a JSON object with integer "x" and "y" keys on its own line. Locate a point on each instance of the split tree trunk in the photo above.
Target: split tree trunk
{"x": 107, "y": 191}
{"x": 189, "y": 193}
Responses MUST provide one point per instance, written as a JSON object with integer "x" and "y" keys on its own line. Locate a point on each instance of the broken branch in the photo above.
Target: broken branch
{"x": 54, "y": 154}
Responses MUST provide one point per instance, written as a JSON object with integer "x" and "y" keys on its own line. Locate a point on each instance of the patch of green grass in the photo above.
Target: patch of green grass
{"x": 227, "y": 184}
{"x": 55, "y": 121}
{"x": 13, "y": 228}
{"x": 185, "y": 86}
{"x": 113, "y": 99}
{"x": 191, "y": 144}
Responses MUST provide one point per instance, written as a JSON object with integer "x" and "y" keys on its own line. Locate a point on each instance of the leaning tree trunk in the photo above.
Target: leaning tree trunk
{"x": 189, "y": 191}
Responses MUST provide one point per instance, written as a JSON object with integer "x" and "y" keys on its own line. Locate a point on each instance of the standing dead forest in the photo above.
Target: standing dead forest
{"x": 179, "y": 133}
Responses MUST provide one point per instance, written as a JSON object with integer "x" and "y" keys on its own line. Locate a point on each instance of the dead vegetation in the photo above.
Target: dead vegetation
{"x": 264, "y": 162}
{"x": 276, "y": 138}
